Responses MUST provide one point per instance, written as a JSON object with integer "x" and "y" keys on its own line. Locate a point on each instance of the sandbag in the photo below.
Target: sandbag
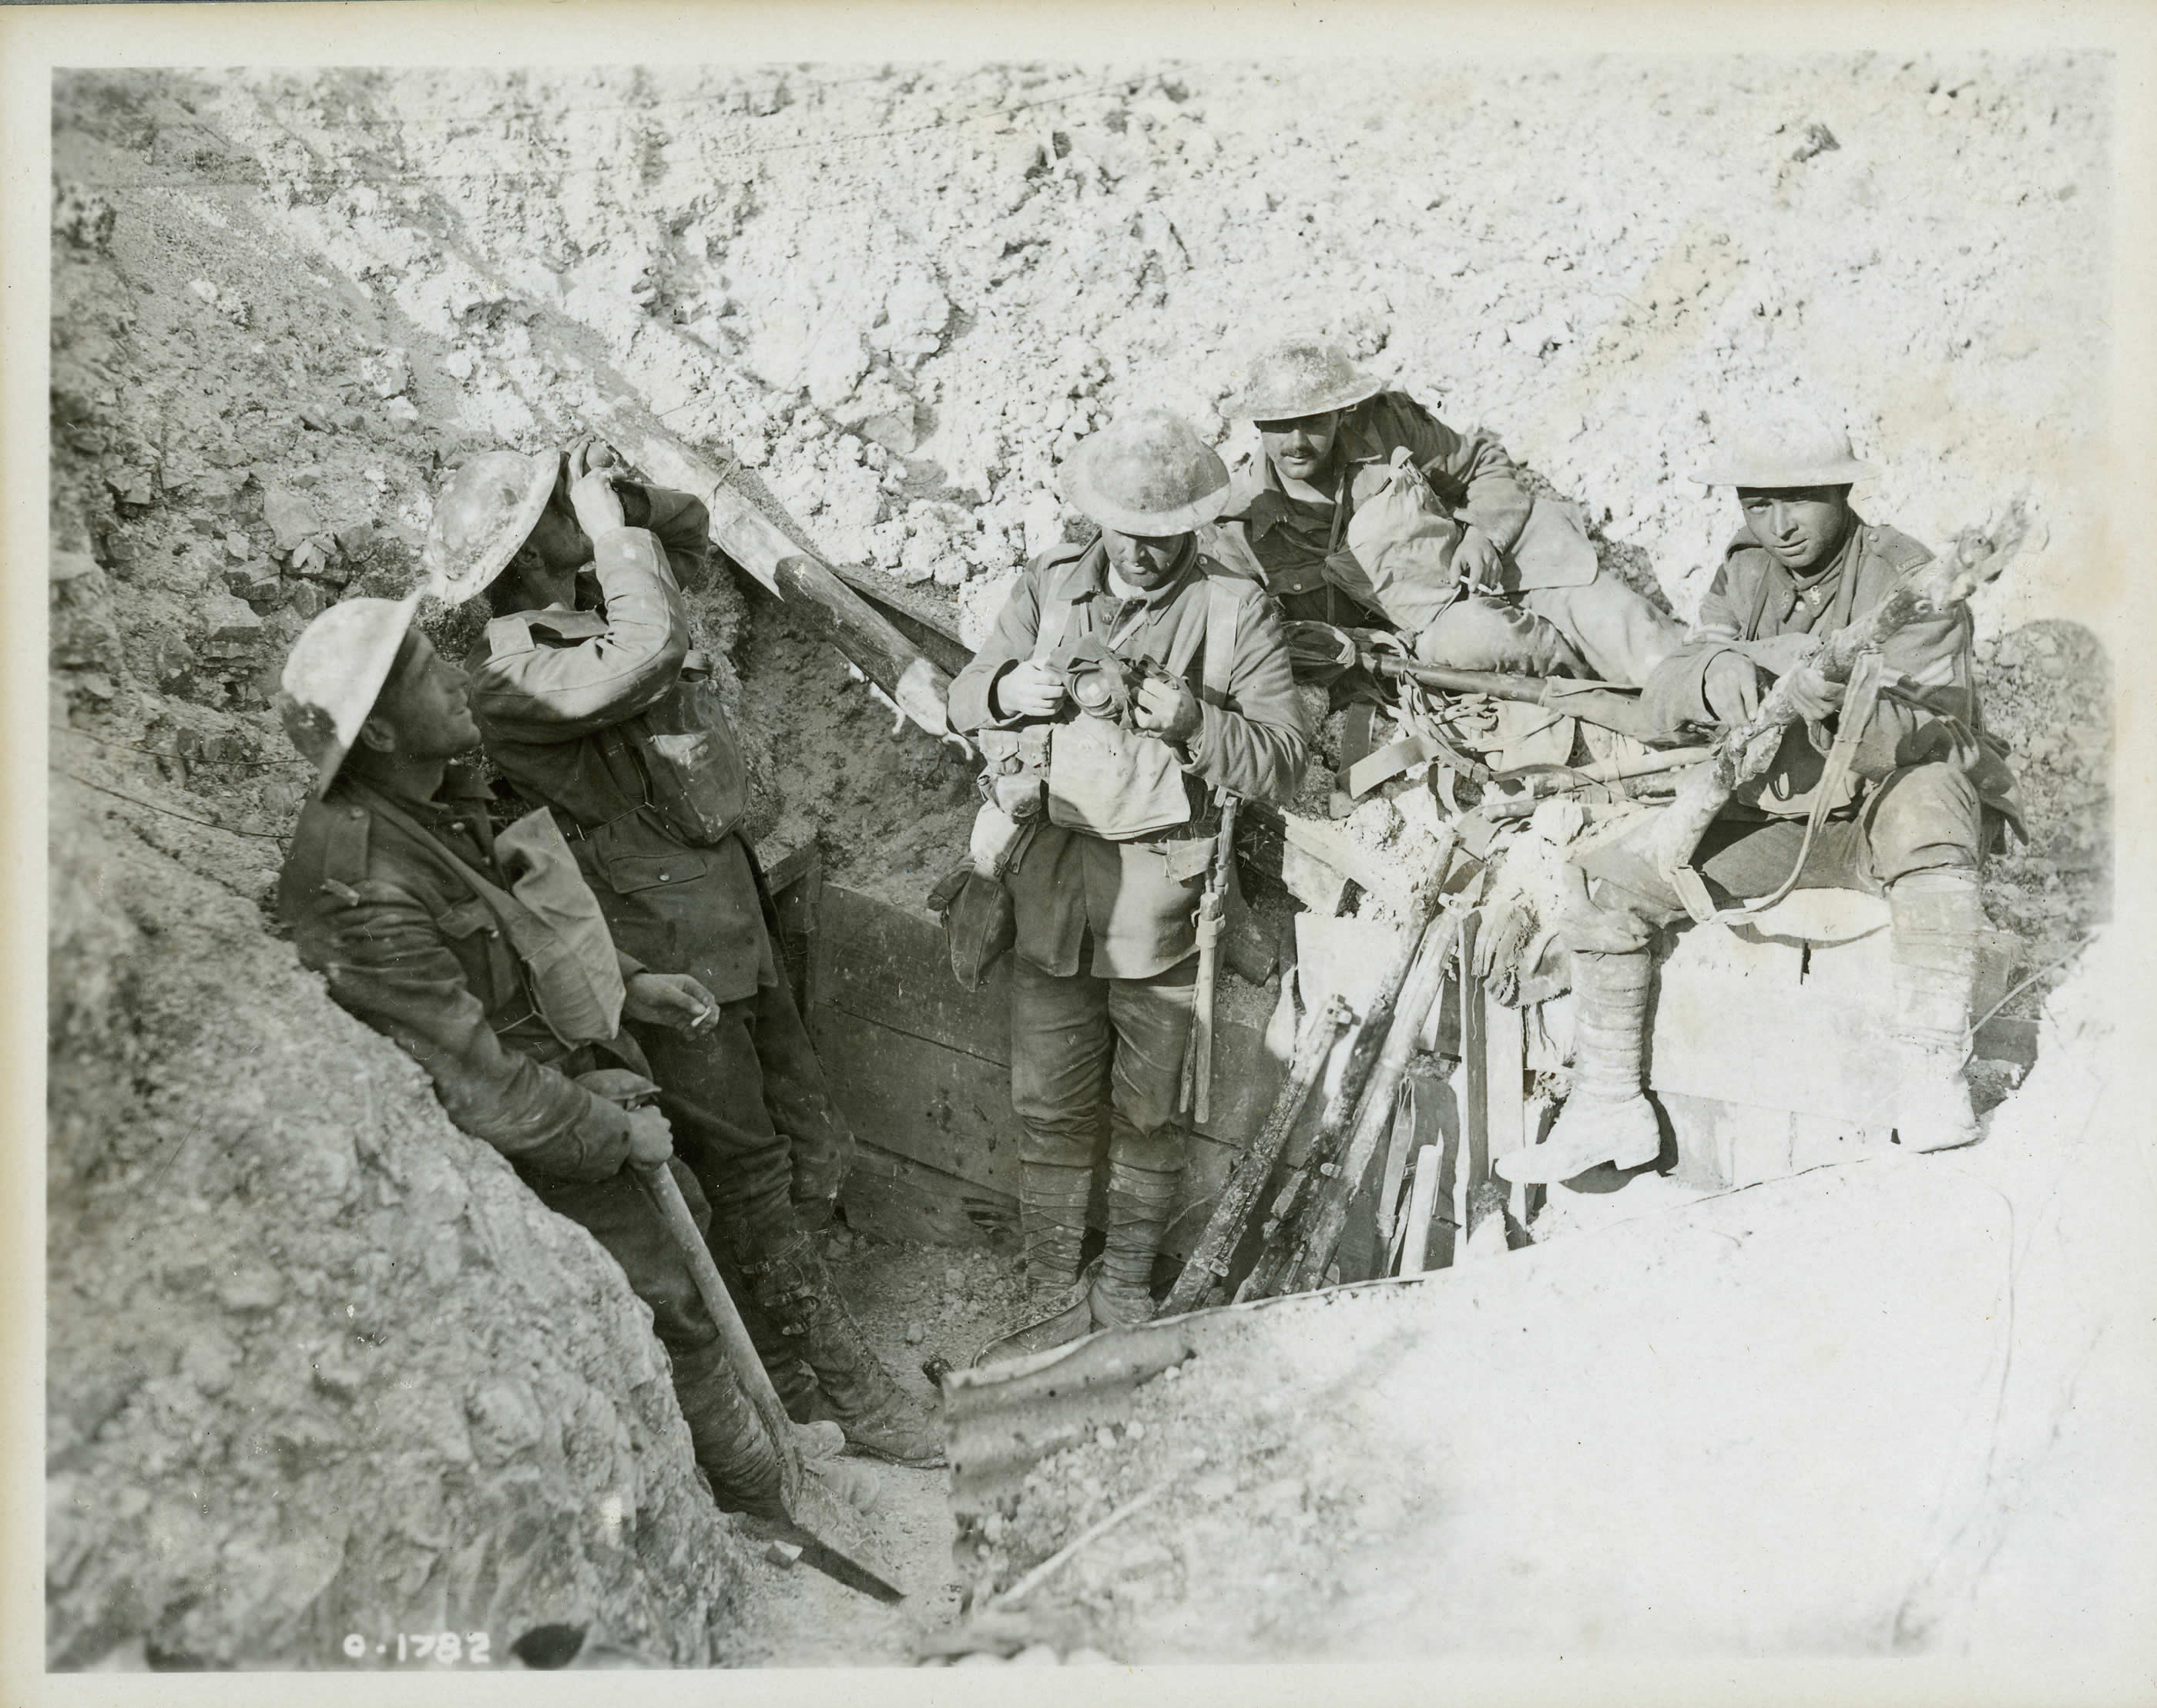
{"x": 1402, "y": 540}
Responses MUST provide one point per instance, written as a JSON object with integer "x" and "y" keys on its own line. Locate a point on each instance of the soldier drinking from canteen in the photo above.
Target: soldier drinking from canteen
{"x": 590, "y": 701}
{"x": 1126, "y": 683}
{"x": 1487, "y": 577}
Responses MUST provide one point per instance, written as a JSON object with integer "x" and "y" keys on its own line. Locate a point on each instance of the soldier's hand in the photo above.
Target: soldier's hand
{"x": 591, "y": 454}
{"x": 1477, "y": 558}
{"x": 1167, "y": 708}
{"x": 650, "y": 1139}
{"x": 1732, "y": 688}
{"x": 1815, "y": 698}
{"x": 597, "y": 504}
{"x": 671, "y": 999}
{"x": 1029, "y": 689}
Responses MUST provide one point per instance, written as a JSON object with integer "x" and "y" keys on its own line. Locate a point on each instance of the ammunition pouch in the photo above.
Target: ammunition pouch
{"x": 1016, "y": 775}
{"x": 699, "y": 784}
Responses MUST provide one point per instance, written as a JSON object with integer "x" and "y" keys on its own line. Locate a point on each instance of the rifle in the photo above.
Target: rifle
{"x": 1374, "y": 1115}
{"x": 1610, "y": 705}
{"x": 1195, "y": 1095}
{"x": 1745, "y": 751}
{"x": 1209, "y": 1262}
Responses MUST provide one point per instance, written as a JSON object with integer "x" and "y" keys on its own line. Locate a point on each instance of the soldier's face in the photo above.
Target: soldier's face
{"x": 546, "y": 564}
{"x": 1144, "y": 560}
{"x": 1299, "y": 448}
{"x": 1800, "y": 526}
{"x": 425, "y": 708}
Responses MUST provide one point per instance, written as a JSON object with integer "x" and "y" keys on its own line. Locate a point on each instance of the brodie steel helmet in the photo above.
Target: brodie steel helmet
{"x": 1797, "y": 452}
{"x": 335, "y": 672}
{"x": 1298, "y": 379}
{"x": 487, "y": 512}
{"x": 1148, "y": 474}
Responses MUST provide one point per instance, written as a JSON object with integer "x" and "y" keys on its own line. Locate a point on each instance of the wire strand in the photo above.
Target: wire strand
{"x": 159, "y": 754}
{"x": 137, "y": 800}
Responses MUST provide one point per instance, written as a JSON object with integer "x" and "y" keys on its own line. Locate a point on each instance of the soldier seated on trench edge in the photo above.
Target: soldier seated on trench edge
{"x": 1486, "y": 576}
{"x": 1889, "y": 784}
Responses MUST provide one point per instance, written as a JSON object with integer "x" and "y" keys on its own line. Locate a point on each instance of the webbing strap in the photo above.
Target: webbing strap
{"x": 1222, "y": 618}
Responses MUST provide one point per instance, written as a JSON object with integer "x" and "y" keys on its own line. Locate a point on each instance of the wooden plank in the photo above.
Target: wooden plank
{"x": 880, "y": 961}
{"x": 1321, "y": 887}
{"x": 830, "y": 608}
{"x": 896, "y": 1198}
{"x": 1742, "y": 1035}
{"x": 1384, "y": 877}
{"x": 1703, "y": 1158}
{"x": 951, "y": 1112}
{"x": 914, "y": 1096}
{"x": 1505, "y": 1051}
{"x": 933, "y": 629}
{"x": 1476, "y": 1062}
{"x": 1817, "y": 1140}
{"x": 1723, "y": 1144}
{"x": 1780, "y": 1025}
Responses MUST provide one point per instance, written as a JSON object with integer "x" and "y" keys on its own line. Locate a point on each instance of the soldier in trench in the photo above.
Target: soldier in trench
{"x": 1118, "y": 821}
{"x": 1495, "y": 578}
{"x": 385, "y": 889}
{"x": 591, "y": 702}
{"x": 1891, "y": 785}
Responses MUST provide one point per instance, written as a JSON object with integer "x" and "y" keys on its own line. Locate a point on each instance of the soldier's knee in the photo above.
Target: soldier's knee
{"x": 1488, "y": 634}
{"x": 1926, "y": 818}
{"x": 1059, "y": 1138}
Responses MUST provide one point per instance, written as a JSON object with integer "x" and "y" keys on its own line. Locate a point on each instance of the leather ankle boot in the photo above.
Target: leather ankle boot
{"x": 791, "y": 1284}
{"x": 1606, "y": 1119}
{"x": 1936, "y": 918}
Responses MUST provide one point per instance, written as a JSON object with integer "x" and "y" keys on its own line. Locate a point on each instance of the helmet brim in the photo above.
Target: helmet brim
{"x": 1770, "y": 477}
{"x": 1250, "y": 407}
{"x": 1077, "y": 489}
{"x": 356, "y": 693}
{"x": 483, "y": 571}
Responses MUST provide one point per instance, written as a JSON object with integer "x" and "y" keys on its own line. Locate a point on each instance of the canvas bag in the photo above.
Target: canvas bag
{"x": 699, "y": 784}
{"x": 1121, "y": 784}
{"x": 552, "y": 920}
{"x": 1402, "y": 539}
{"x": 973, "y": 899}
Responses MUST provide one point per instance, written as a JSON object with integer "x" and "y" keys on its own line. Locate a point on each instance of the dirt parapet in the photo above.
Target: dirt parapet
{"x": 320, "y": 1370}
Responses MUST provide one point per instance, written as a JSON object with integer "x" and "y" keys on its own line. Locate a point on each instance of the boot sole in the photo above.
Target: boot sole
{"x": 861, "y": 1449}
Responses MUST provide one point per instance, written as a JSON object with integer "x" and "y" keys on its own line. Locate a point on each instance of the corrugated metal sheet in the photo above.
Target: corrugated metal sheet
{"x": 1001, "y": 1421}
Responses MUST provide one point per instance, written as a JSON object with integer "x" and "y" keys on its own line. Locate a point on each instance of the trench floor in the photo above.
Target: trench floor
{"x": 913, "y": 1301}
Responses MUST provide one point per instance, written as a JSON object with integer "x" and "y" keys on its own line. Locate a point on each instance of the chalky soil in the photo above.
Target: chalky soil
{"x": 318, "y": 1368}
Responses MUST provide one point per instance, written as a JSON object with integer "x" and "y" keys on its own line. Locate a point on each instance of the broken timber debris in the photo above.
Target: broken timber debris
{"x": 808, "y": 586}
